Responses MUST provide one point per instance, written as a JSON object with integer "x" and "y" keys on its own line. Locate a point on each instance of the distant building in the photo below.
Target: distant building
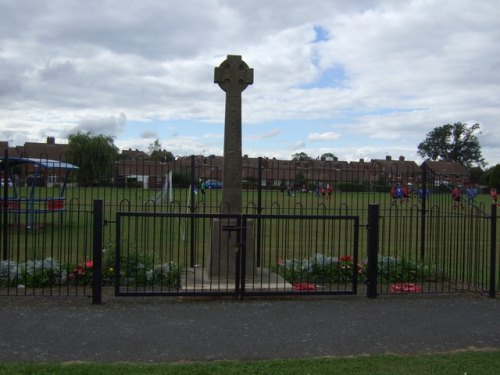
{"x": 397, "y": 171}
{"x": 133, "y": 154}
{"x": 133, "y": 165}
{"x": 49, "y": 150}
{"x": 447, "y": 173}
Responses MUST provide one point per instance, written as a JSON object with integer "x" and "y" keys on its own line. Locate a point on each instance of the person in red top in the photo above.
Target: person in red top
{"x": 393, "y": 194}
{"x": 329, "y": 191}
{"x": 494, "y": 195}
{"x": 406, "y": 193}
{"x": 456, "y": 197}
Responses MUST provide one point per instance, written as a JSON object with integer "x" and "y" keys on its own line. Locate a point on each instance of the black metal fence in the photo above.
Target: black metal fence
{"x": 427, "y": 242}
{"x": 214, "y": 254}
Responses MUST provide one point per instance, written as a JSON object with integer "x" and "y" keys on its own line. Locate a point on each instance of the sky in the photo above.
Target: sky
{"x": 359, "y": 79}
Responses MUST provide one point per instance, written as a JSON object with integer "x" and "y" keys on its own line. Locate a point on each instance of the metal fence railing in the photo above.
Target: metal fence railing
{"x": 218, "y": 254}
{"x": 46, "y": 232}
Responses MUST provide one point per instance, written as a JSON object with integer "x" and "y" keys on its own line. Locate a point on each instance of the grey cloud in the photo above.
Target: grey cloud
{"x": 58, "y": 71}
{"x": 111, "y": 125}
{"x": 65, "y": 60}
{"x": 149, "y": 135}
{"x": 298, "y": 146}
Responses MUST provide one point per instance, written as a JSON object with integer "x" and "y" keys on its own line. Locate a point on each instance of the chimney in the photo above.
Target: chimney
{"x": 388, "y": 158}
{"x": 51, "y": 141}
{"x": 401, "y": 158}
{"x": 361, "y": 160}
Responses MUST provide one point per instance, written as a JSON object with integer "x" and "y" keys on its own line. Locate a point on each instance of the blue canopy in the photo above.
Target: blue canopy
{"x": 43, "y": 163}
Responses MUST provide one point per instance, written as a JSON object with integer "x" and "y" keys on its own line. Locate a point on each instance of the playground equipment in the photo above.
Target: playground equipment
{"x": 34, "y": 203}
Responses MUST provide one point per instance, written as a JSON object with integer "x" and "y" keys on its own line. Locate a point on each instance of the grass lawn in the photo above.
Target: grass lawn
{"x": 456, "y": 242}
{"x": 457, "y": 363}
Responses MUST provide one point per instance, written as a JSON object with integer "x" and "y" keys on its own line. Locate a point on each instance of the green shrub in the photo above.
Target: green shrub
{"x": 391, "y": 269}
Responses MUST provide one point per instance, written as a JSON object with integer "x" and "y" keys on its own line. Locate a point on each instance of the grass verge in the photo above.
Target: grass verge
{"x": 461, "y": 363}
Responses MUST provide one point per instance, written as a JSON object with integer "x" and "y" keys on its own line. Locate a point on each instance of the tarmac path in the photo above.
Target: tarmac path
{"x": 39, "y": 329}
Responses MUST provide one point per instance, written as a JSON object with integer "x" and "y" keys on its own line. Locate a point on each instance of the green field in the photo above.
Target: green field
{"x": 456, "y": 244}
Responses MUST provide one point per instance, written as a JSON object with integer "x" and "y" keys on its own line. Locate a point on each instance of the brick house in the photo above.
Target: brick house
{"x": 397, "y": 171}
{"x": 447, "y": 173}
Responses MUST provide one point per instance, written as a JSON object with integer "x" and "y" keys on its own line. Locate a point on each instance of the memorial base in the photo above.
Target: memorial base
{"x": 262, "y": 280}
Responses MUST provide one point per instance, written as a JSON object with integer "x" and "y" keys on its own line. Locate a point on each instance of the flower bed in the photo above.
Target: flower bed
{"x": 402, "y": 273}
{"x": 49, "y": 272}
{"x": 320, "y": 269}
{"x": 32, "y": 273}
{"x": 142, "y": 268}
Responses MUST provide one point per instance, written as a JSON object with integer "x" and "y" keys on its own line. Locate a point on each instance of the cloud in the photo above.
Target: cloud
{"x": 388, "y": 71}
{"x": 264, "y": 136}
{"x": 149, "y": 135}
{"x": 106, "y": 125}
{"x": 214, "y": 136}
{"x": 299, "y": 145}
{"x": 322, "y": 137}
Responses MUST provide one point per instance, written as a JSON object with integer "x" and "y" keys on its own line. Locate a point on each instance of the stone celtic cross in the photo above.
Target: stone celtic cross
{"x": 233, "y": 76}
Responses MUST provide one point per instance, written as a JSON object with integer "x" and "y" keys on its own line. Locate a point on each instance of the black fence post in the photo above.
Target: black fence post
{"x": 192, "y": 209}
{"x": 493, "y": 245}
{"x": 423, "y": 211}
{"x": 5, "y": 205}
{"x": 259, "y": 209}
{"x": 242, "y": 250}
{"x": 372, "y": 250}
{"x": 97, "y": 252}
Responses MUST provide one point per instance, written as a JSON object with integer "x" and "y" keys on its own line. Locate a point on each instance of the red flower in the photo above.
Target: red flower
{"x": 89, "y": 264}
{"x": 303, "y": 286}
{"x": 405, "y": 288}
{"x": 346, "y": 258}
{"x": 78, "y": 272}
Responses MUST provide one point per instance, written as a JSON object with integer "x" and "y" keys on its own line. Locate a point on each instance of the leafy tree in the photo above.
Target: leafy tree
{"x": 156, "y": 153}
{"x": 95, "y": 155}
{"x": 327, "y": 156}
{"x": 492, "y": 177}
{"x": 300, "y": 156}
{"x": 456, "y": 142}
{"x": 154, "y": 147}
{"x": 300, "y": 179}
{"x": 476, "y": 174}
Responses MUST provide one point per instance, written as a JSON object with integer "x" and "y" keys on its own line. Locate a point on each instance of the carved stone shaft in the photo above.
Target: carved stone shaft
{"x": 233, "y": 76}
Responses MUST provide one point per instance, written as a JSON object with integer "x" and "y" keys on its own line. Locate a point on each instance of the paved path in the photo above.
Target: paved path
{"x": 167, "y": 330}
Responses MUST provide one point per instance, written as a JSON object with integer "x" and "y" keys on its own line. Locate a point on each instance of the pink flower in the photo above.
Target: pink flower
{"x": 89, "y": 264}
{"x": 281, "y": 262}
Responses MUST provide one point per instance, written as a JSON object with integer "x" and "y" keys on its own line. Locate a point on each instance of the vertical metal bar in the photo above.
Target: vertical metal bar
{"x": 242, "y": 242}
{"x": 5, "y": 205}
{"x": 97, "y": 253}
{"x": 118, "y": 251}
{"x": 259, "y": 210}
{"x": 237, "y": 273}
{"x": 493, "y": 243}
{"x": 372, "y": 250}
{"x": 355, "y": 256}
{"x": 192, "y": 210}
{"x": 424, "y": 211}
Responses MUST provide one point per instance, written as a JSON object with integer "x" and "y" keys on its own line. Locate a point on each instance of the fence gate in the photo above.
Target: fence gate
{"x": 213, "y": 254}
